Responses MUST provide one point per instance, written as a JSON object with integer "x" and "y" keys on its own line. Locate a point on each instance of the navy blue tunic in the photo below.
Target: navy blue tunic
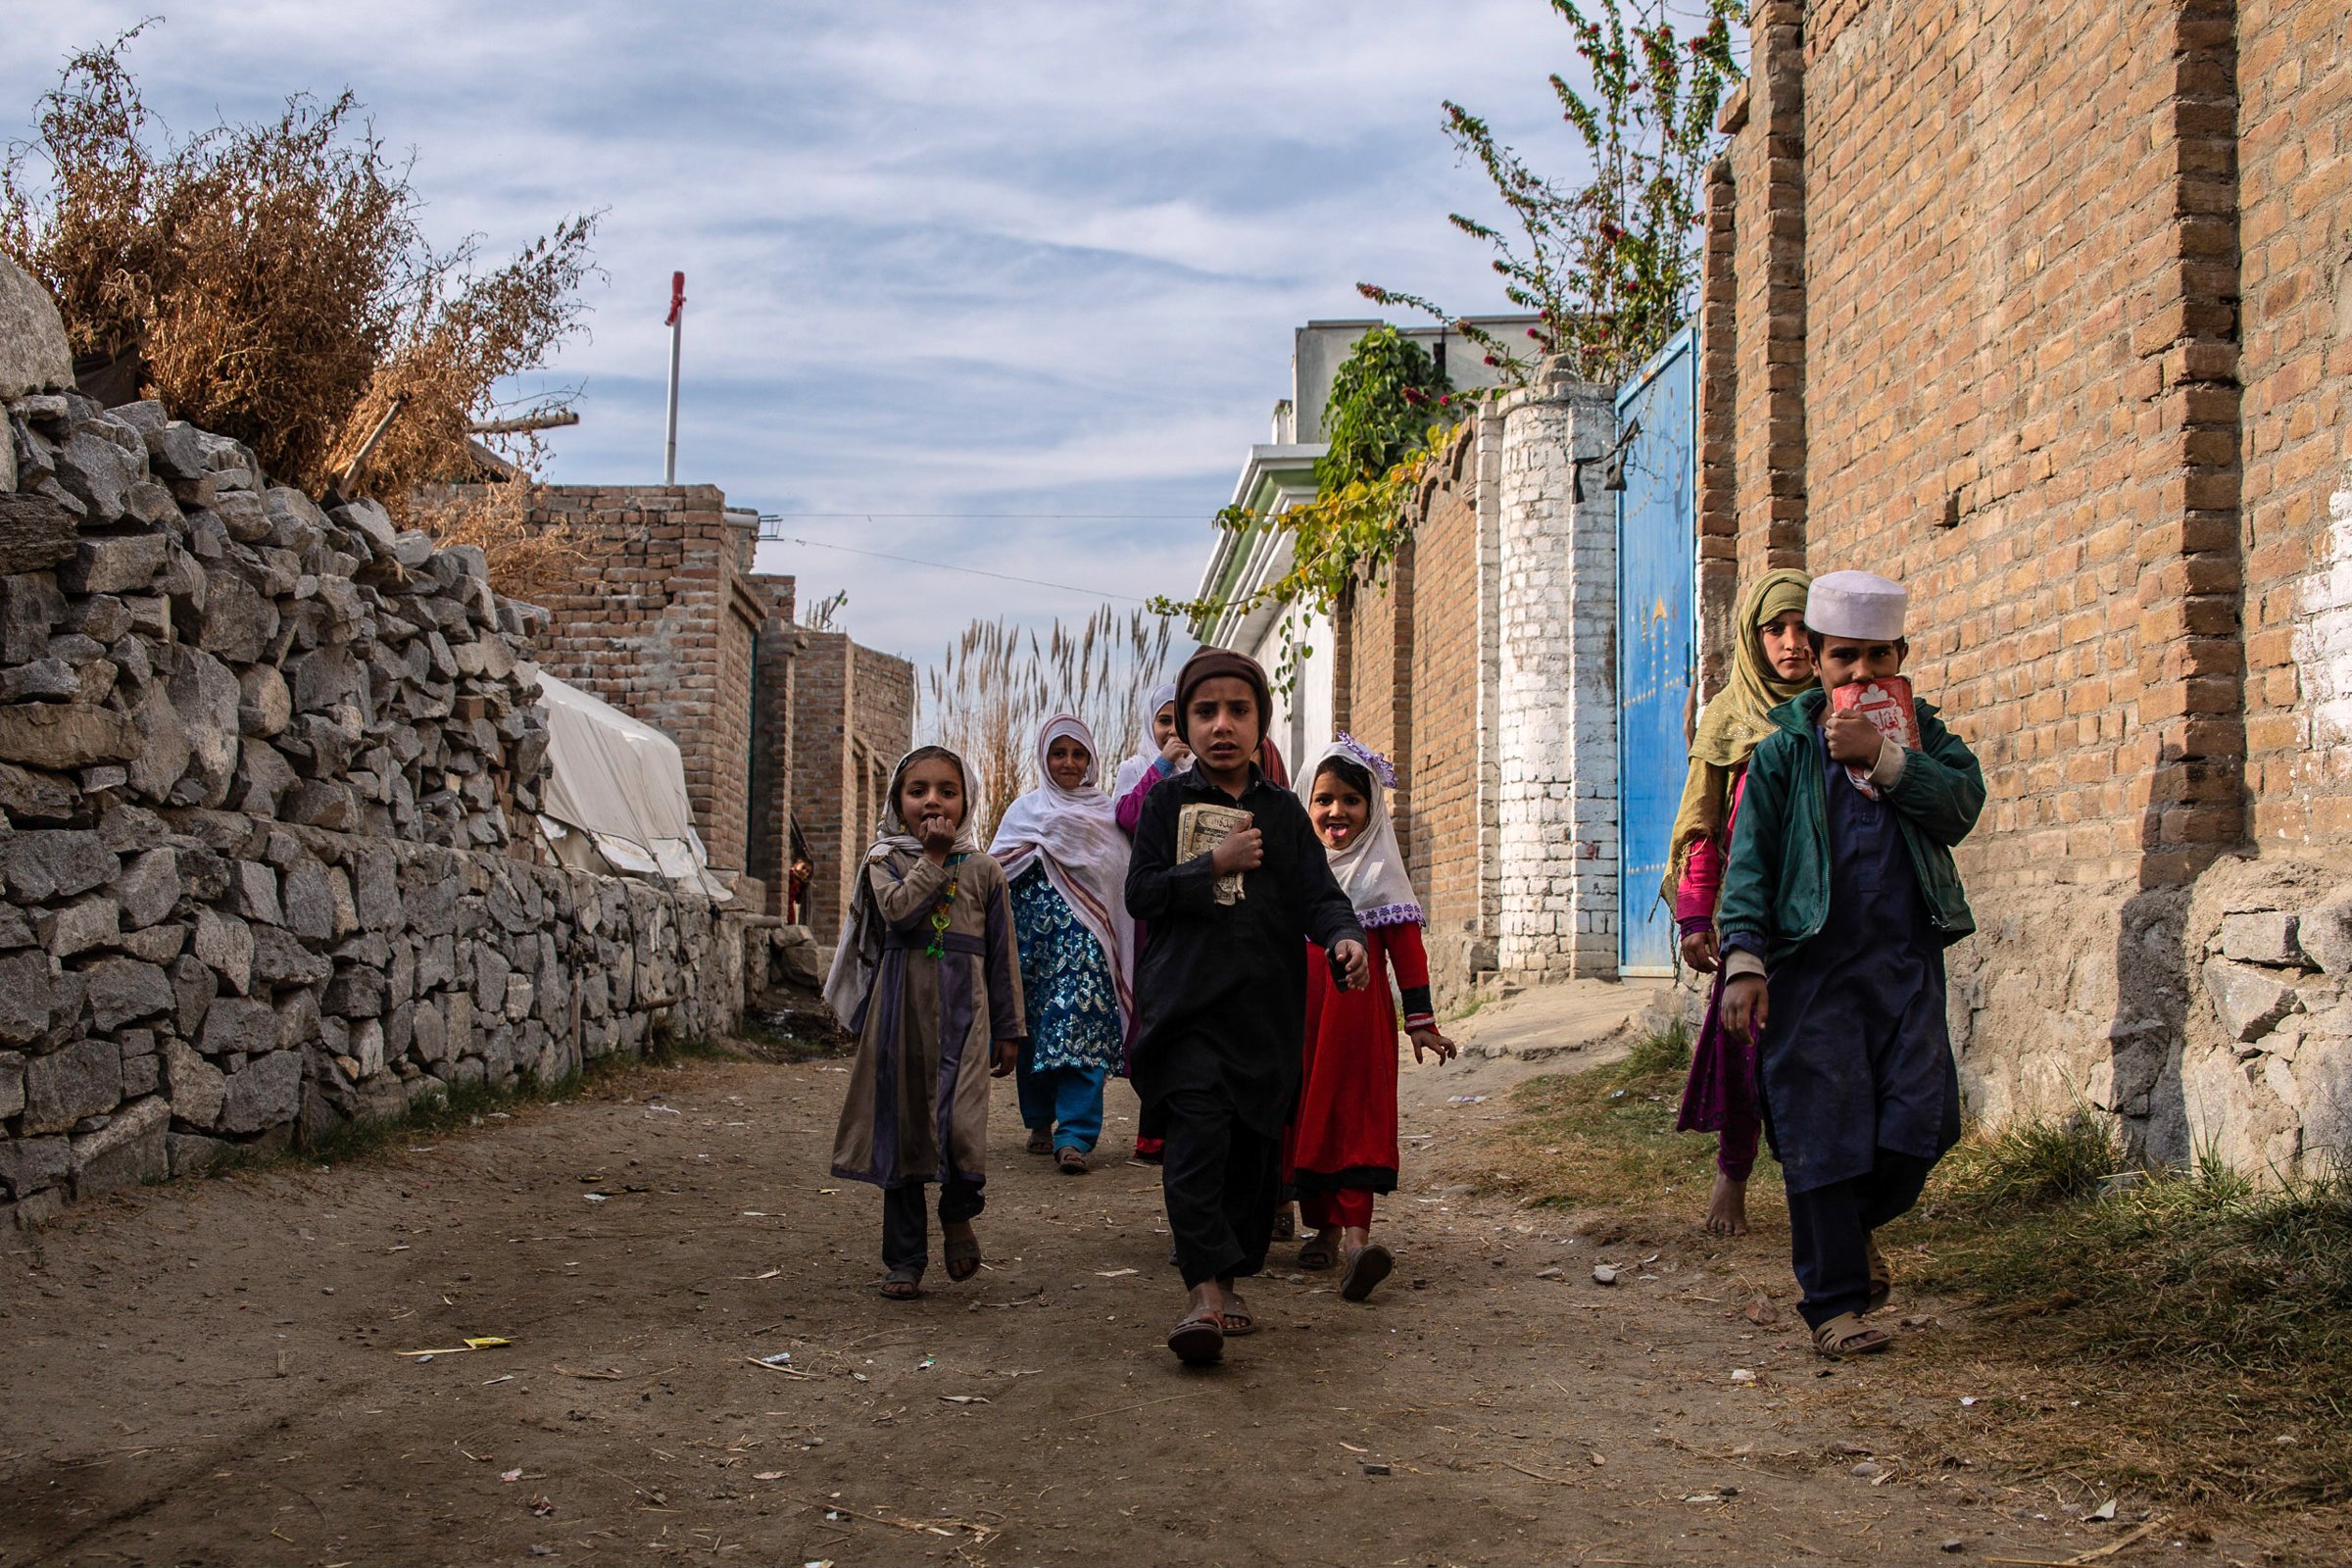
{"x": 1858, "y": 1053}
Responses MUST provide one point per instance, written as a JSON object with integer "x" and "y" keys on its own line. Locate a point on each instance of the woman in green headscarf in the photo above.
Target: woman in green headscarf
{"x": 1771, "y": 663}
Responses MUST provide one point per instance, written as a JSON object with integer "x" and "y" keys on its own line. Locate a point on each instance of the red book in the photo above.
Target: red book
{"x": 1886, "y": 703}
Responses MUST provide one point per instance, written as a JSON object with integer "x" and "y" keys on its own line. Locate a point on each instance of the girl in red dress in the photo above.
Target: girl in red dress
{"x": 1344, "y": 1134}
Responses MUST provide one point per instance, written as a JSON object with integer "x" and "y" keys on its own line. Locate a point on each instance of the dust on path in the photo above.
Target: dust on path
{"x": 206, "y": 1374}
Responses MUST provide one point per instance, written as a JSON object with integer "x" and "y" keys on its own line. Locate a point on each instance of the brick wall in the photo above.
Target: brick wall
{"x": 1556, "y": 680}
{"x": 772, "y": 686}
{"x": 2039, "y": 306}
{"x": 2295, "y": 187}
{"x": 852, "y": 719}
{"x": 650, "y": 625}
{"x": 1453, "y": 768}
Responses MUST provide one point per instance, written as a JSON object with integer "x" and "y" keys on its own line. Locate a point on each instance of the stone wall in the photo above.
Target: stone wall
{"x": 2040, "y": 309}
{"x": 264, "y": 771}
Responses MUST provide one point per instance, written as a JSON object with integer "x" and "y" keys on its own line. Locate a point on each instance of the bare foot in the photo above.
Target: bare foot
{"x": 1726, "y": 1206}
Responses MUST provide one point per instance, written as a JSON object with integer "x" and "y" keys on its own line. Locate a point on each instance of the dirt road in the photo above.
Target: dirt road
{"x": 210, "y": 1374}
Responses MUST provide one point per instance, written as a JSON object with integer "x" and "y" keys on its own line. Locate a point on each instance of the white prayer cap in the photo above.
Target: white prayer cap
{"x": 1857, "y": 604}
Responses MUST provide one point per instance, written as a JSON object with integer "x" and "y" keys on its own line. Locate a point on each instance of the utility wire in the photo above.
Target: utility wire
{"x": 941, "y": 565}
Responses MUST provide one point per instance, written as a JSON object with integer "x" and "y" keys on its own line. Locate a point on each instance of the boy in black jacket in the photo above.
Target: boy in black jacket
{"x": 1221, "y": 989}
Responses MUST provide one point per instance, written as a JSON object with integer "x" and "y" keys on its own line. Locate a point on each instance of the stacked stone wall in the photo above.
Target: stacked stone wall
{"x": 264, "y": 777}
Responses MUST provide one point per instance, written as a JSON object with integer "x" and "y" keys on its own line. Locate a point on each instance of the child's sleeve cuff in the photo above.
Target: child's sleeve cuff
{"x": 1888, "y": 768}
{"x": 1739, "y": 963}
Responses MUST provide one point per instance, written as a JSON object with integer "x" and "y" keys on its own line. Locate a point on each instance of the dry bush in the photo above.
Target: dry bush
{"x": 997, "y": 685}
{"x": 529, "y": 560}
{"x": 275, "y": 278}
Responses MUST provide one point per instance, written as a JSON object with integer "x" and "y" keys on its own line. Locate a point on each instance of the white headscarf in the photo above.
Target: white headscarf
{"x": 1075, "y": 835}
{"x": 1371, "y": 870}
{"x": 1147, "y": 750}
{"x": 858, "y": 952}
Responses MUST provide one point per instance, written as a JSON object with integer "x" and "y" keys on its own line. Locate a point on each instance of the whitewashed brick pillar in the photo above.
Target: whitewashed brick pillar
{"x": 1557, "y": 729}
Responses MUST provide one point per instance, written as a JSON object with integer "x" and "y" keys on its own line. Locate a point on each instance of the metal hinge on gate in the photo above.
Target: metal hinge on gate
{"x": 1612, "y": 465}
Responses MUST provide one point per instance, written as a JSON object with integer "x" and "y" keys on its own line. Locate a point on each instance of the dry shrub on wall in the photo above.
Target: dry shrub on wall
{"x": 528, "y": 559}
{"x": 275, "y": 278}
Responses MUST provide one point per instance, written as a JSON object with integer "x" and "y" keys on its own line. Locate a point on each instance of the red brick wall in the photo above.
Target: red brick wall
{"x": 2294, "y": 180}
{"x": 1451, "y": 664}
{"x": 1379, "y": 698}
{"x": 1981, "y": 302}
{"x": 852, "y": 719}
{"x": 775, "y": 650}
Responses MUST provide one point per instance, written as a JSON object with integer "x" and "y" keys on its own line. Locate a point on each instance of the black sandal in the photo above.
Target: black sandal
{"x": 1041, "y": 1141}
{"x": 1070, "y": 1161}
{"x": 902, "y": 1285}
{"x": 1238, "y": 1323}
{"x": 962, "y": 1254}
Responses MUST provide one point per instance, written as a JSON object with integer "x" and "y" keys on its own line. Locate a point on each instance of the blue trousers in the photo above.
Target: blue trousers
{"x": 1064, "y": 1101}
{"x": 1830, "y": 1227}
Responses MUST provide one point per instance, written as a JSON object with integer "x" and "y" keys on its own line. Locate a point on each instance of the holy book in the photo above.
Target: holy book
{"x": 1200, "y": 828}
{"x": 1887, "y": 704}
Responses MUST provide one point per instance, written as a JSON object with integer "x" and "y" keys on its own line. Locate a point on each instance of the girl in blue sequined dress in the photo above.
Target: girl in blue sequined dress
{"x": 1067, "y": 860}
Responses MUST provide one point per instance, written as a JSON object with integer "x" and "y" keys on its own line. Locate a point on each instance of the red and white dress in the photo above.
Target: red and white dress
{"x": 1342, "y": 1137}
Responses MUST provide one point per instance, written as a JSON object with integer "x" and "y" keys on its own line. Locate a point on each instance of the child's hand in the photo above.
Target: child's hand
{"x": 1699, "y": 951}
{"x": 1175, "y": 754}
{"x": 1746, "y": 1002}
{"x": 1245, "y": 851}
{"x": 1003, "y": 1059}
{"x": 1855, "y": 740}
{"x": 1356, "y": 966}
{"x": 939, "y": 837}
{"x": 1430, "y": 1040}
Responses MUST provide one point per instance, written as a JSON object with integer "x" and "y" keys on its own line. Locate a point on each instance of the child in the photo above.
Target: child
{"x": 1221, "y": 989}
{"x": 1771, "y": 663}
{"x": 1067, "y": 862}
{"x": 927, "y": 976}
{"x": 1158, "y": 755}
{"x": 1836, "y": 908}
{"x": 1344, "y": 1138}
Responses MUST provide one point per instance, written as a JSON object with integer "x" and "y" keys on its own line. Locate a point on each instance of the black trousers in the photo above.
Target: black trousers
{"x": 906, "y": 1234}
{"x": 1220, "y": 1180}
{"x": 1829, "y": 1227}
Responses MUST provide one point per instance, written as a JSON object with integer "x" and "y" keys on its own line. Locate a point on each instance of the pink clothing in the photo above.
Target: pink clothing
{"x": 1701, "y": 886}
{"x": 1721, "y": 1095}
{"x": 1130, "y": 808}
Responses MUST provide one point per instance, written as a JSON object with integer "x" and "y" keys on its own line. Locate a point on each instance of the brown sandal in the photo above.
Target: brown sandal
{"x": 1847, "y": 1334}
{"x": 902, "y": 1285}
{"x": 1198, "y": 1339}
{"x": 963, "y": 1253}
{"x": 1882, "y": 1275}
{"x": 1041, "y": 1141}
{"x": 1238, "y": 1322}
{"x": 1070, "y": 1160}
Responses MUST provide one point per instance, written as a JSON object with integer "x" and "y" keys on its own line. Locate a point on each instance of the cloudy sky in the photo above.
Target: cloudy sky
{"x": 1029, "y": 267}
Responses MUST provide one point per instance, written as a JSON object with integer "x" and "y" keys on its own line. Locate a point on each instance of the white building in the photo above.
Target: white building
{"x": 1279, "y": 474}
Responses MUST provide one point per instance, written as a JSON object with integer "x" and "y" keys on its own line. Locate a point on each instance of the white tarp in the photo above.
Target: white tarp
{"x": 616, "y": 793}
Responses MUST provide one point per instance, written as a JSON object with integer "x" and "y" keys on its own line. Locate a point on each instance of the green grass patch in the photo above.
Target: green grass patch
{"x": 1605, "y": 1138}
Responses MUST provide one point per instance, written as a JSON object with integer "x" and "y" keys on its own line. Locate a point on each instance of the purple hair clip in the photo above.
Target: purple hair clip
{"x": 1381, "y": 768}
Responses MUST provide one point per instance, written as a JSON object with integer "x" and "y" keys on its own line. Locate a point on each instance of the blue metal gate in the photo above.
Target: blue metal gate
{"x": 1656, "y": 524}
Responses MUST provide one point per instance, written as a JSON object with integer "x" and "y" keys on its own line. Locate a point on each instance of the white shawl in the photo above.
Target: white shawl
{"x": 858, "y": 952}
{"x": 1371, "y": 872}
{"x": 1147, "y": 750}
{"x": 1075, "y": 835}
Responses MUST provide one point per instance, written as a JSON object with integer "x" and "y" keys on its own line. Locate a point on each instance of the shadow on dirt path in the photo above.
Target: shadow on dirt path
{"x": 210, "y": 1374}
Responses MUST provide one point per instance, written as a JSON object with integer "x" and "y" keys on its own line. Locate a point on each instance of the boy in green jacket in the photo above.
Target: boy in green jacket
{"x": 1836, "y": 908}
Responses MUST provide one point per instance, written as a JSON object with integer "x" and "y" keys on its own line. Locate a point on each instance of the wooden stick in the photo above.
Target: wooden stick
{"x": 1124, "y": 1409}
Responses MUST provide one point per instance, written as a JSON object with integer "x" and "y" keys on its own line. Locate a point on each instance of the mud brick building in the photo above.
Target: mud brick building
{"x": 2046, "y": 309}
{"x": 666, "y": 620}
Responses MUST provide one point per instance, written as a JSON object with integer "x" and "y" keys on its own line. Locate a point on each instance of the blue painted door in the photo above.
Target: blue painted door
{"x": 1657, "y": 525}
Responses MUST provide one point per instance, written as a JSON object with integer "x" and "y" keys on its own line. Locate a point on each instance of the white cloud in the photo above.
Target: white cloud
{"x": 1022, "y": 257}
